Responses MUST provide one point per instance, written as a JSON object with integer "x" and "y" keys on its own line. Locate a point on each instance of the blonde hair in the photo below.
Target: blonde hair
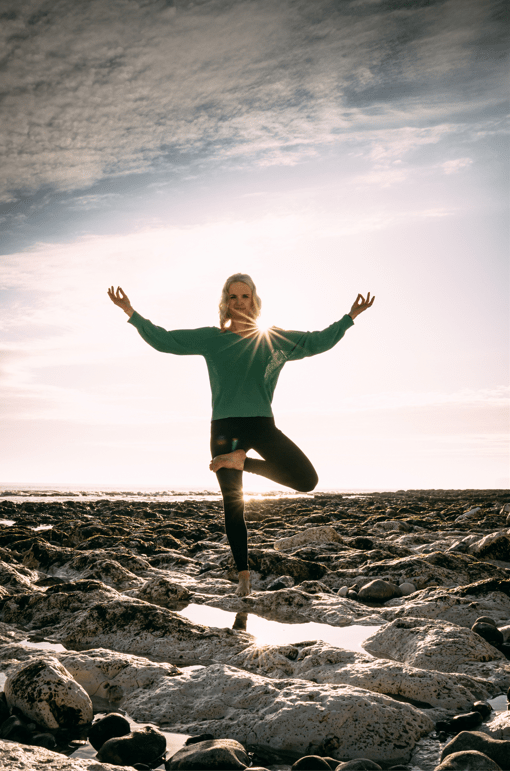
{"x": 223, "y": 308}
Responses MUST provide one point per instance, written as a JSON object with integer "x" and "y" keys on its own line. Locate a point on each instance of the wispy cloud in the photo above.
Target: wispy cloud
{"x": 101, "y": 89}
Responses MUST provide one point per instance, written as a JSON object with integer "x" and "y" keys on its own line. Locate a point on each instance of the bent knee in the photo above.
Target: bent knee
{"x": 308, "y": 484}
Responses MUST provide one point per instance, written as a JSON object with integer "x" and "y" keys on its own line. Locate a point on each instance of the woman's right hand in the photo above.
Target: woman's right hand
{"x": 121, "y": 299}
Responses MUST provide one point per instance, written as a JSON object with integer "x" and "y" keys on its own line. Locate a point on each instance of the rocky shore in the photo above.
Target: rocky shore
{"x": 106, "y": 579}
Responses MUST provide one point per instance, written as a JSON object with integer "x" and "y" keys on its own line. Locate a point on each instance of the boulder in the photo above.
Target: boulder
{"x": 359, "y": 764}
{"x": 147, "y": 746}
{"x": 282, "y": 582}
{"x": 497, "y": 750}
{"x": 109, "y": 727}
{"x": 469, "y": 760}
{"x": 378, "y": 591}
{"x": 495, "y": 546}
{"x": 488, "y": 632}
{"x": 165, "y": 592}
{"x": 45, "y": 692}
{"x": 224, "y": 754}
{"x": 292, "y": 716}
{"x": 311, "y": 763}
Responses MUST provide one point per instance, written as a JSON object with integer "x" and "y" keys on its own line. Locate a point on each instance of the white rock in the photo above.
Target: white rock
{"x": 323, "y": 663}
{"x": 441, "y": 646}
{"x": 20, "y": 757}
{"x": 499, "y": 726}
{"x": 318, "y": 535}
{"x": 505, "y": 631}
{"x": 471, "y": 514}
{"x": 292, "y": 715}
{"x": 46, "y": 693}
{"x": 449, "y": 605}
{"x": 407, "y": 588}
{"x": 342, "y": 592}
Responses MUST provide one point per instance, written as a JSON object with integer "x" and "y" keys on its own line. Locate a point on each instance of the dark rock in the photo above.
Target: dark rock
{"x": 282, "y": 582}
{"x": 483, "y": 707}
{"x": 466, "y": 722}
{"x": 144, "y": 746}
{"x": 359, "y": 764}
{"x": 470, "y": 760}
{"x": 378, "y": 591}
{"x": 352, "y": 594}
{"x": 109, "y": 727}
{"x": 224, "y": 754}
{"x": 4, "y": 708}
{"x": 497, "y": 750}
{"x": 505, "y": 649}
{"x": 490, "y": 633}
{"x": 46, "y": 740}
{"x": 16, "y": 730}
{"x": 197, "y": 739}
{"x": 486, "y": 620}
{"x": 311, "y": 763}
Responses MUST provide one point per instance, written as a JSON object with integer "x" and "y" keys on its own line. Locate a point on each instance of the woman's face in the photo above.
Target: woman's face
{"x": 240, "y": 301}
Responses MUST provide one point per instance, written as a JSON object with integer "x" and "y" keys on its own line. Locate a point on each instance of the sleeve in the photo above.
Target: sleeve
{"x": 179, "y": 341}
{"x": 299, "y": 345}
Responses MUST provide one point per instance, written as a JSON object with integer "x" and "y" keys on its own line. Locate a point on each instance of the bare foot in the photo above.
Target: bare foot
{"x": 229, "y": 460}
{"x": 244, "y": 587}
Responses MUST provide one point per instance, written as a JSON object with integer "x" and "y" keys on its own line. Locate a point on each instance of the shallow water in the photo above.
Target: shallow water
{"x": 278, "y": 633}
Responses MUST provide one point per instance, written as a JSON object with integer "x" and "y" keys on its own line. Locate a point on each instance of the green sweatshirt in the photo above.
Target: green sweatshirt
{"x": 243, "y": 371}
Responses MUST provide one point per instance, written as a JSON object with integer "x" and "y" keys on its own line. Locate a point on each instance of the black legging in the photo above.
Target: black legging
{"x": 283, "y": 462}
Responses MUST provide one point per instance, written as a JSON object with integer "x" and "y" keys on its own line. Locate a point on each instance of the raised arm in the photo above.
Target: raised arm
{"x": 360, "y": 305}
{"x": 121, "y": 299}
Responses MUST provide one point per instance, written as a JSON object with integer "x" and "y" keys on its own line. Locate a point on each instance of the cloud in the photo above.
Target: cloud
{"x": 457, "y": 164}
{"x": 97, "y": 89}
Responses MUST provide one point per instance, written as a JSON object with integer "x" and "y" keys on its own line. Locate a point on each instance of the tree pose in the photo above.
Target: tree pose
{"x": 244, "y": 364}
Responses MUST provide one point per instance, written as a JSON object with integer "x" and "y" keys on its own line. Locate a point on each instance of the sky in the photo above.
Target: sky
{"x": 326, "y": 148}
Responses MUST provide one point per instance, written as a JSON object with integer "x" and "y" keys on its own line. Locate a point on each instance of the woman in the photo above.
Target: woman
{"x": 244, "y": 364}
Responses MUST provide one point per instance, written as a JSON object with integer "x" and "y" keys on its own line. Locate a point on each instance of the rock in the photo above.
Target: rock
{"x": 293, "y": 715}
{"x": 471, "y": 514}
{"x": 437, "y": 645}
{"x": 45, "y": 692}
{"x": 499, "y": 726}
{"x": 407, "y": 588}
{"x": 359, "y": 764}
{"x": 377, "y": 591}
{"x": 311, "y": 763}
{"x": 17, "y": 757}
{"x": 342, "y": 592}
{"x": 469, "y": 760}
{"x": 315, "y": 535}
{"x": 162, "y": 591}
{"x": 495, "y": 546}
{"x": 505, "y": 631}
{"x": 282, "y": 582}
{"x": 4, "y": 708}
{"x": 322, "y": 663}
{"x": 497, "y": 750}
{"x": 197, "y": 739}
{"x": 144, "y": 746}
{"x": 466, "y": 722}
{"x": 215, "y": 754}
{"x": 108, "y": 727}
{"x": 483, "y": 707}
{"x": 485, "y": 620}
{"x": 488, "y": 632}
{"x": 46, "y": 740}
{"x": 16, "y": 730}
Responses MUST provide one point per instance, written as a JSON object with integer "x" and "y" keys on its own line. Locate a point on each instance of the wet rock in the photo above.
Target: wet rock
{"x": 108, "y": 727}
{"x": 18, "y": 757}
{"x": 466, "y": 722}
{"x": 483, "y": 707}
{"x": 16, "y": 730}
{"x": 497, "y": 750}
{"x": 45, "y": 692}
{"x": 145, "y": 746}
{"x": 469, "y": 760}
{"x": 378, "y": 591}
{"x": 46, "y": 740}
{"x": 214, "y": 753}
{"x": 293, "y": 715}
{"x": 197, "y": 739}
{"x": 311, "y": 763}
{"x": 488, "y": 632}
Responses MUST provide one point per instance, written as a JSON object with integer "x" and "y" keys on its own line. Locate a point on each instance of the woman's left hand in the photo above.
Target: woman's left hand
{"x": 360, "y": 305}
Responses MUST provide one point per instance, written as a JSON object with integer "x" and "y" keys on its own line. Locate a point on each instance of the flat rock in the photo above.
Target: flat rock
{"x": 20, "y": 757}
{"x": 499, "y": 726}
{"x": 322, "y": 663}
{"x": 290, "y": 715}
{"x": 441, "y": 646}
{"x": 315, "y": 535}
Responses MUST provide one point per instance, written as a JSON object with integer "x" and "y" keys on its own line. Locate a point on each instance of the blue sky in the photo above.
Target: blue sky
{"x": 325, "y": 148}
